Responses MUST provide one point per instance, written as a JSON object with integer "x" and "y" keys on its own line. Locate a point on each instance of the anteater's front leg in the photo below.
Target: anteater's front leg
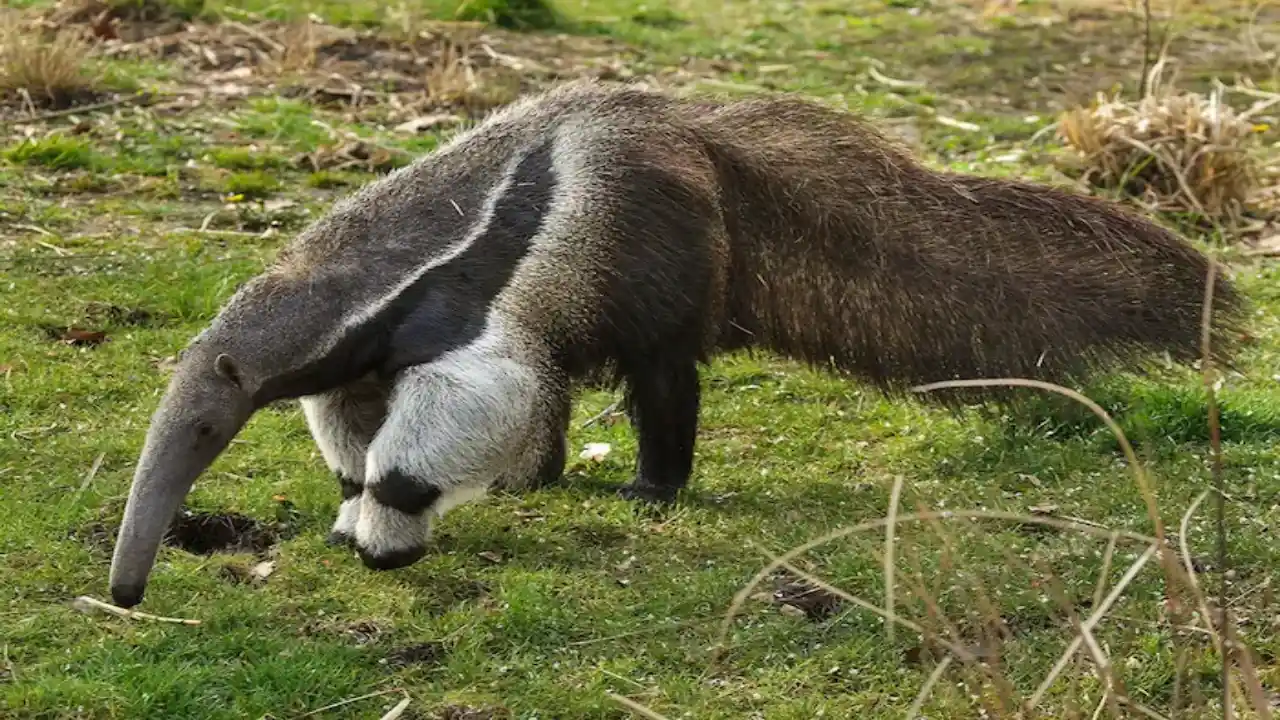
{"x": 455, "y": 429}
{"x": 343, "y": 423}
{"x": 662, "y": 402}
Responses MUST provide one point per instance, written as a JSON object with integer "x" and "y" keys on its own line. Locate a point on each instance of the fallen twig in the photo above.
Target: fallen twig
{"x": 142, "y": 99}
{"x": 84, "y": 603}
{"x": 93, "y": 472}
{"x": 893, "y": 82}
{"x": 226, "y": 233}
{"x": 889, "y": 533}
{"x": 42, "y": 231}
{"x": 398, "y": 710}
{"x": 601, "y": 415}
{"x": 348, "y": 701}
{"x": 958, "y": 124}
{"x": 914, "y": 711}
{"x": 635, "y": 707}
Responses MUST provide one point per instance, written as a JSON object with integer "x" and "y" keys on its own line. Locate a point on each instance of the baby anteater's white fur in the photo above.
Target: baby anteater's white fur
{"x": 434, "y": 324}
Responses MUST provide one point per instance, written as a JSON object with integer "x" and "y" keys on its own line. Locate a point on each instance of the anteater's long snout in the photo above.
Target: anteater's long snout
{"x": 186, "y": 435}
{"x": 160, "y": 483}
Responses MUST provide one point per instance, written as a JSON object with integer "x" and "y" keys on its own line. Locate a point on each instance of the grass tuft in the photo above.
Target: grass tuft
{"x": 254, "y": 184}
{"x": 56, "y": 152}
{"x": 298, "y": 48}
{"x": 452, "y": 80}
{"x": 1179, "y": 152}
{"x": 49, "y": 72}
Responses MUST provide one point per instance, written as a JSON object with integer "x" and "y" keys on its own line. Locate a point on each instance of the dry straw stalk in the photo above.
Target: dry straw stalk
{"x": 1179, "y": 152}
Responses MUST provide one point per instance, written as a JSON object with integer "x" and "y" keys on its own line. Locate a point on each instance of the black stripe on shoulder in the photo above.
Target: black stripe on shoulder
{"x": 446, "y": 307}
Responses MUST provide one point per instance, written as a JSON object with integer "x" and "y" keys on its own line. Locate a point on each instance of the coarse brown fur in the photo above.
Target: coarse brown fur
{"x": 847, "y": 251}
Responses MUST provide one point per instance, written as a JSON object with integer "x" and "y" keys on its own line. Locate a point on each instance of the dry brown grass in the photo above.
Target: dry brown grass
{"x": 452, "y": 79}
{"x": 43, "y": 71}
{"x": 1180, "y": 152}
{"x": 297, "y": 46}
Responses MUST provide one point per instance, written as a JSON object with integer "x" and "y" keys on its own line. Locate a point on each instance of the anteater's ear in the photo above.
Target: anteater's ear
{"x": 227, "y": 369}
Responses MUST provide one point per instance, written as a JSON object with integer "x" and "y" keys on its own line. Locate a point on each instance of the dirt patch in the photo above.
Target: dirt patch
{"x": 104, "y": 313}
{"x": 128, "y": 18}
{"x": 363, "y": 632}
{"x": 360, "y": 632}
{"x": 429, "y": 653}
{"x": 204, "y": 533}
{"x": 806, "y": 600}
{"x": 466, "y": 67}
{"x": 1048, "y": 57}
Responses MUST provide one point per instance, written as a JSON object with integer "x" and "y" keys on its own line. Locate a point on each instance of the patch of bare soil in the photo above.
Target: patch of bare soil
{"x": 203, "y": 533}
{"x": 133, "y": 20}
{"x": 429, "y": 653}
{"x": 458, "y": 67}
{"x": 796, "y": 596}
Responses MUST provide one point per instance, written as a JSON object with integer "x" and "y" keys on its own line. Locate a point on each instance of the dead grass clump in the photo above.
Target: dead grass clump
{"x": 452, "y": 81}
{"x": 43, "y": 71}
{"x": 298, "y": 47}
{"x": 1178, "y": 152}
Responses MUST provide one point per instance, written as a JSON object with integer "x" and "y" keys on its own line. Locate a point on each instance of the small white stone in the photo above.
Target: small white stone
{"x": 595, "y": 451}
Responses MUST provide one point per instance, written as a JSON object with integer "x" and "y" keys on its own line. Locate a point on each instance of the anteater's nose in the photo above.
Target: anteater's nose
{"x": 126, "y": 596}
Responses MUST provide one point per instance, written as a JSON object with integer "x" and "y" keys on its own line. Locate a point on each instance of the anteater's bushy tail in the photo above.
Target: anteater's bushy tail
{"x": 849, "y": 252}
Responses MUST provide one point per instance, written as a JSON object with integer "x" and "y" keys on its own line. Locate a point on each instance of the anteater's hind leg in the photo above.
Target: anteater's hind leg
{"x": 343, "y": 423}
{"x": 557, "y": 411}
{"x": 663, "y": 401}
{"x": 456, "y": 428}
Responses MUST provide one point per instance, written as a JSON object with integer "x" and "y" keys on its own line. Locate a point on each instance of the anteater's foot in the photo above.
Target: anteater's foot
{"x": 393, "y": 560}
{"x": 649, "y": 492}
{"x": 338, "y": 538}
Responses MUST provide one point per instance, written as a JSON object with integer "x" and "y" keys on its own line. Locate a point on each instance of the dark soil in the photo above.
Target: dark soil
{"x": 116, "y": 315}
{"x": 428, "y": 653}
{"x": 207, "y": 533}
{"x": 817, "y": 604}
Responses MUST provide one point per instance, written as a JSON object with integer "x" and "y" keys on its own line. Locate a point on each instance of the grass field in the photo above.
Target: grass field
{"x": 122, "y": 229}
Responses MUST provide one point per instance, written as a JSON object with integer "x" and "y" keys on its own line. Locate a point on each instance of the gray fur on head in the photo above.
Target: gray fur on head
{"x": 434, "y": 323}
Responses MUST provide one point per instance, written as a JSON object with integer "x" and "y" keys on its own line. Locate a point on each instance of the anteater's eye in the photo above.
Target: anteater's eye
{"x": 204, "y": 430}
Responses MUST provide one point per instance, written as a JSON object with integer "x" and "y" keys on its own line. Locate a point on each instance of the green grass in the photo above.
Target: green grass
{"x": 541, "y": 604}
